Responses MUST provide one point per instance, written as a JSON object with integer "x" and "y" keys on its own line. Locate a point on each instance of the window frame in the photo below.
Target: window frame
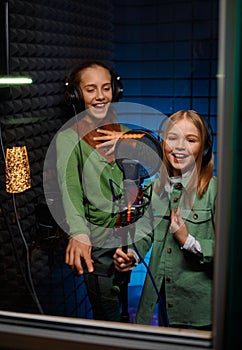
{"x": 28, "y": 331}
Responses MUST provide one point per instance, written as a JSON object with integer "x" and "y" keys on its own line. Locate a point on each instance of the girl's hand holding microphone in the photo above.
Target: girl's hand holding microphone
{"x": 123, "y": 262}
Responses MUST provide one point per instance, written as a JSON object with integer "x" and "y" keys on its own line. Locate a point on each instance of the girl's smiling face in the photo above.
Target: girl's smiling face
{"x": 182, "y": 146}
{"x": 95, "y": 84}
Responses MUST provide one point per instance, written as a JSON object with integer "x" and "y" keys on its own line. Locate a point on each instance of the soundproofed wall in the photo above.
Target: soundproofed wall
{"x": 46, "y": 38}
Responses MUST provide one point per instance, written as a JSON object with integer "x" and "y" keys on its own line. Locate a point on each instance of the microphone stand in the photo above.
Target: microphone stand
{"x": 128, "y": 216}
{"x": 122, "y": 279}
{"x": 129, "y": 228}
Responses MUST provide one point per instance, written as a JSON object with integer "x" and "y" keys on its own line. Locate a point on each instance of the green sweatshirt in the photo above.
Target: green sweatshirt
{"x": 84, "y": 176}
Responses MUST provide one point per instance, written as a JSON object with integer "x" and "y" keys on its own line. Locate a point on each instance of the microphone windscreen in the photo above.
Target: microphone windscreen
{"x": 141, "y": 146}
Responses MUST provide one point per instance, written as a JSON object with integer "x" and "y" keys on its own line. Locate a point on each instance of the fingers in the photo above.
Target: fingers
{"x": 69, "y": 257}
{"x": 172, "y": 214}
{"x": 106, "y": 144}
{"x": 176, "y": 216}
{"x": 88, "y": 262}
{"x": 78, "y": 254}
{"x": 123, "y": 262}
{"x": 109, "y": 140}
{"x": 110, "y": 135}
{"x": 105, "y": 132}
{"x": 178, "y": 227}
{"x": 123, "y": 266}
{"x": 178, "y": 212}
{"x": 122, "y": 256}
{"x": 108, "y": 147}
{"x": 176, "y": 220}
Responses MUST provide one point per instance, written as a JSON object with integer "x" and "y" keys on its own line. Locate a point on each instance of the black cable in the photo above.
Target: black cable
{"x": 161, "y": 301}
{"x": 30, "y": 287}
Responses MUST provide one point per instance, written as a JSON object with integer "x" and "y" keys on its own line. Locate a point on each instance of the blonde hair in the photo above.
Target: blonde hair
{"x": 203, "y": 171}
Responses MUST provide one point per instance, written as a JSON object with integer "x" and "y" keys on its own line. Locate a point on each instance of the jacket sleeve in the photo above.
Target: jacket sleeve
{"x": 208, "y": 246}
{"x": 69, "y": 175}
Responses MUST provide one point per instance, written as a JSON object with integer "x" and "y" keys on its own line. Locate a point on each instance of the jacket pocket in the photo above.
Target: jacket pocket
{"x": 197, "y": 216}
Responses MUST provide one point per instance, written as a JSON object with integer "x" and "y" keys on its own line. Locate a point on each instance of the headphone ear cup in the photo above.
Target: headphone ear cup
{"x": 207, "y": 154}
{"x": 117, "y": 86}
{"x": 73, "y": 96}
{"x": 208, "y": 148}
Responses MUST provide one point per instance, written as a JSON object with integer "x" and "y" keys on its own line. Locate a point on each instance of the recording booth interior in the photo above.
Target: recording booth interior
{"x": 167, "y": 64}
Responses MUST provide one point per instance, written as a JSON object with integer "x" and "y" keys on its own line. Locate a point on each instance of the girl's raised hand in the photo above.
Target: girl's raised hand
{"x": 178, "y": 227}
{"x": 110, "y": 138}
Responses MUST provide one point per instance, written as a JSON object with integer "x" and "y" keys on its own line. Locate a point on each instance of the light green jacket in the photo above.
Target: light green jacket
{"x": 188, "y": 277}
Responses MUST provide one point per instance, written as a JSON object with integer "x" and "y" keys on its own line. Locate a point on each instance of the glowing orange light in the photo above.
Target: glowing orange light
{"x": 129, "y": 212}
{"x": 131, "y": 136}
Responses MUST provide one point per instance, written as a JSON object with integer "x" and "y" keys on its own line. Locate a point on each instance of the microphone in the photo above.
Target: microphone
{"x": 138, "y": 155}
{"x": 142, "y": 146}
{"x": 131, "y": 187}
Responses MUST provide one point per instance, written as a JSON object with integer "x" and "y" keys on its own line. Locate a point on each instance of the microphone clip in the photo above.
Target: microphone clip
{"x": 130, "y": 211}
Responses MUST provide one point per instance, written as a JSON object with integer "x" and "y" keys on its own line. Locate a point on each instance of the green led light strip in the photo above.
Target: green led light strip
{"x": 14, "y": 80}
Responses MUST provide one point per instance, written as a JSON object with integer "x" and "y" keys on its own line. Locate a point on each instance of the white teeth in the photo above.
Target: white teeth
{"x": 100, "y": 105}
{"x": 180, "y": 156}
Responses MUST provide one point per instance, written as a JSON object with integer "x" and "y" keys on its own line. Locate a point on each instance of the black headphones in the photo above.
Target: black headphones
{"x": 73, "y": 94}
{"x": 208, "y": 146}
